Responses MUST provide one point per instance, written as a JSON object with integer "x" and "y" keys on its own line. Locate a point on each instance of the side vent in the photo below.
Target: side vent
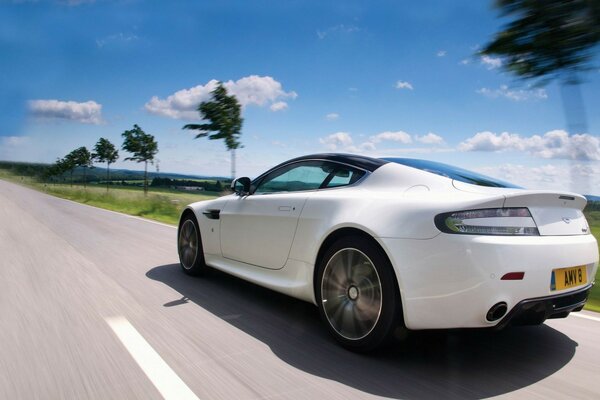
{"x": 211, "y": 214}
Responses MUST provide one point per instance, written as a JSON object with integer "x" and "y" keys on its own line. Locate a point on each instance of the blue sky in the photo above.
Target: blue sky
{"x": 381, "y": 78}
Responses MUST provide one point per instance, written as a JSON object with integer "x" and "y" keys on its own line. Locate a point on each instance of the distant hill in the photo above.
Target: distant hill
{"x": 99, "y": 173}
{"x": 140, "y": 175}
{"x": 589, "y": 197}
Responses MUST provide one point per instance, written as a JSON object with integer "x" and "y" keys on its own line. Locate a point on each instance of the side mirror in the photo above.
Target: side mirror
{"x": 241, "y": 186}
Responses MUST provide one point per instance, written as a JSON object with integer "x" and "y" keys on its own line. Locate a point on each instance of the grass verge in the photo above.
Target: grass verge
{"x": 593, "y": 303}
{"x": 164, "y": 206}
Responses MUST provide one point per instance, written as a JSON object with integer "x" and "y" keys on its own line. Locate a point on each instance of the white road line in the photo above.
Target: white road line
{"x": 585, "y": 316}
{"x": 156, "y": 369}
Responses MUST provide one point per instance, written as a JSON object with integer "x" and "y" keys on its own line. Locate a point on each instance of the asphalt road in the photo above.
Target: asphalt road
{"x": 69, "y": 271}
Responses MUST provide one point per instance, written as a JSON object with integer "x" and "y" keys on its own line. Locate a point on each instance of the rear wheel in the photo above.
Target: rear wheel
{"x": 357, "y": 294}
{"x": 189, "y": 246}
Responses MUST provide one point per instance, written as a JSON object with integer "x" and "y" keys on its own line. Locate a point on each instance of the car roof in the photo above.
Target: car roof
{"x": 362, "y": 162}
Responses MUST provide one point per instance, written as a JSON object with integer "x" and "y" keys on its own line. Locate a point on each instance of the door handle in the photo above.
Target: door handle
{"x": 285, "y": 208}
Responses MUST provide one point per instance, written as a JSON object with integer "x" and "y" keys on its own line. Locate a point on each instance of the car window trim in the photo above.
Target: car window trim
{"x": 259, "y": 179}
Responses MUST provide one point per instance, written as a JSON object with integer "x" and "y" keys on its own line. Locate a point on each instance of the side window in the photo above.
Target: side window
{"x": 295, "y": 177}
{"x": 308, "y": 175}
{"x": 344, "y": 176}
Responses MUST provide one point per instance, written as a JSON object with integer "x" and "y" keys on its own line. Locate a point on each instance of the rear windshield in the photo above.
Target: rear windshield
{"x": 451, "y": 172}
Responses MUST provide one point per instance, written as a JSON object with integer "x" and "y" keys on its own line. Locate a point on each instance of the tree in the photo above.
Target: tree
{"x": 105, "y": 151}
{"x": 223, "y": 116}
{"x": 547, "y": 40}
{"x": 81, "y": 157}
{"x": 69, "y": 163}
{"x": 57, "y": 169}
{"x": 143, "y": 147}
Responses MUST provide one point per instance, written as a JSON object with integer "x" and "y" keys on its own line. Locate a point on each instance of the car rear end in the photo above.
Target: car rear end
{"x": 529, "y": 258}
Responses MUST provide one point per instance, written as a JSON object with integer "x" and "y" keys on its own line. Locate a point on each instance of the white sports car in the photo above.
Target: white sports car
{"x": 379, "y": 244}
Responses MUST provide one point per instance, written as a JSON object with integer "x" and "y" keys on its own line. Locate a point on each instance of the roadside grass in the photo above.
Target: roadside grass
{"x": 159, "y": 205}
{"x": 593, "y": 303}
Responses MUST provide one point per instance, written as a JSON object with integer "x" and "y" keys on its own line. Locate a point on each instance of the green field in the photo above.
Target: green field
{"x": 165, "y": 205}
{"x": 594, "y": 299}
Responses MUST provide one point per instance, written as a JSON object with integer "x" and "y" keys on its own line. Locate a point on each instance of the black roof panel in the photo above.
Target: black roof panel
{"x": 363, "y": 162}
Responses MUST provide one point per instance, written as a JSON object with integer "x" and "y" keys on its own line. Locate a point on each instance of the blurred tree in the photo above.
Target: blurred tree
{"x": 143, "y": 147}
{"x": 81, "y": 157}
{"x": 68, "y": 163}
{"x": 223, "y": 116}
{"x": 547, "y": 40}
{"x": 105, "y": 151}
{"x": 57, "y": 169}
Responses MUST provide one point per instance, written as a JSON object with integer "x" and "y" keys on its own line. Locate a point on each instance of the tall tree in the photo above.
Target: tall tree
{"x": 68, "y": 163}
{"x": 105, "y": 151}
{"x": 223, "y": 121}
{"x": 547, "y": 40}
{"x": 57, "y": 169}
{"x": 143, "y": 147}
{"x": 81, "y": 157}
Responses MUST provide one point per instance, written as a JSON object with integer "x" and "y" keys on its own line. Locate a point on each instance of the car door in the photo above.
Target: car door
{"x": 259, "y": 229}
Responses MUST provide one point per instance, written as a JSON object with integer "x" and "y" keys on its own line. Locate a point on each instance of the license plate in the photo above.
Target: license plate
{"x": 565, "y": 278}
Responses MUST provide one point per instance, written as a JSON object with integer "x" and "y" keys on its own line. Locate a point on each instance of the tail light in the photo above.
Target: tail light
{"x": 489, "y": 221}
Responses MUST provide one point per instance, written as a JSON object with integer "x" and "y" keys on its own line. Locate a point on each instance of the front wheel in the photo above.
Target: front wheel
{"x": 189, "y": 246}
{"x": 357, "y": 294}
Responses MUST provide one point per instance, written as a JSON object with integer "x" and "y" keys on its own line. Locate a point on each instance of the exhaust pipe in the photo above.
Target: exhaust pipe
{"x": 496, "y": 312}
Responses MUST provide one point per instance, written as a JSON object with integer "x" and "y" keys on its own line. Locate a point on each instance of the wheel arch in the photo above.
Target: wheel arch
{"x": 347, "y": 231}
{"x": 187, "y": 211}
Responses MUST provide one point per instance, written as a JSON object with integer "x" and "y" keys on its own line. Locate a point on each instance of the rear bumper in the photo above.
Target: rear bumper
{"x": 453, "y": 281}
{"x": 537, "y": 310}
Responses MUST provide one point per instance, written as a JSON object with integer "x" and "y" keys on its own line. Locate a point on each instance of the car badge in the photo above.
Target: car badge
{"x": 567, "y": 220}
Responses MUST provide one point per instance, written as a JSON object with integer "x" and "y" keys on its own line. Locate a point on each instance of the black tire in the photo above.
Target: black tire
{"x": 357, "y": 294}
{"x": 189, "y": 246}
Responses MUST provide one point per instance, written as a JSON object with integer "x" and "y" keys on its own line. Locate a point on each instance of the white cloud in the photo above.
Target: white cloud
{"x": 278, "y": 143}
{"x": 398, "y": 136}
{"x": 554, "y": 144}
{"x": 491, "y": 62}
{"x": 279, "y": 106}
{"x": 88, "y": 112}
{"x": 441, "y": 53}
{"x": 116, "y": 38}
{"x": 257, "y": 90}
{"x": 343, "y": 141}
{"x": 14, "y": 141}
{"x": 336, "y": 140}
{"x": 430, "y": 138}
{"x": 183, "y": 103}
{"x": 250, "y": 90}
{"x": 332, "y": 116}
{"x": 465, "y": 61}
{"x": 403, "y": 85}
{"x": 514, "y": 94}
{"x": 581, "y": 178}
{"x": 340, "y": 29}
{"x": 368, "y": 146}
